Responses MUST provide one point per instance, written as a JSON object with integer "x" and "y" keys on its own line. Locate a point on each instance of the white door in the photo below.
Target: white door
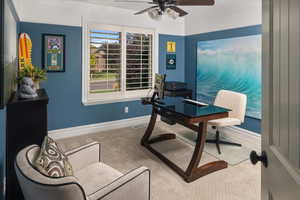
{"x": 281, "y": 99}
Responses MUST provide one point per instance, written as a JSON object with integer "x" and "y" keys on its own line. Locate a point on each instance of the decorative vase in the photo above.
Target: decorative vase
{"x": 37, "y": 85}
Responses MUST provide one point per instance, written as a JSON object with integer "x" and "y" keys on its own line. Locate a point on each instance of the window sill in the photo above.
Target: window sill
{"x": 109, "y": 101}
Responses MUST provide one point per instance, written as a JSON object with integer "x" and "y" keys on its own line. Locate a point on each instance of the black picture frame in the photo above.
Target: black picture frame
{"x": 45, "y": 48}
{"x": 171, "y": 61}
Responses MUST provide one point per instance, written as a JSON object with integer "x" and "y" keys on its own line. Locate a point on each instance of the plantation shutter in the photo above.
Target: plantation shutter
{"x": 105, "y": 61}
{"x": 138, "y": 61}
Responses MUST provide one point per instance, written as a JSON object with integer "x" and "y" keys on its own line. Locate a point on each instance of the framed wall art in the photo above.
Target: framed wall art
{"x": 171, "y": 61}
{"x": 171, "y": 47}
{"x": 231, "y": 64}
{"x": 54, "y": 52}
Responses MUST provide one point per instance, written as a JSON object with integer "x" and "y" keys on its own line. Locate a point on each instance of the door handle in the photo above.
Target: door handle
{"x": 255, "y": 158}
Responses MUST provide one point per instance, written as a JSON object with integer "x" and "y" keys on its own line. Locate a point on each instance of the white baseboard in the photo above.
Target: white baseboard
{"x": 246, "y": 138}
{"x": 93, "y": 128}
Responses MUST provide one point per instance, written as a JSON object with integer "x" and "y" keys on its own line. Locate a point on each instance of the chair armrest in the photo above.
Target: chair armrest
{"x": 134, "y": 185}
{"x": 84, "y": 156}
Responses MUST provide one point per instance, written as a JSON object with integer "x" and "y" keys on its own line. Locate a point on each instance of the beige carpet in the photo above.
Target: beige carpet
{"x": 233, "y": 155}
{"x": 121, "y": 150}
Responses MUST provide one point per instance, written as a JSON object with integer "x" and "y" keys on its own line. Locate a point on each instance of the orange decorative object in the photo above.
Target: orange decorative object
{"x": 25, "y": 48}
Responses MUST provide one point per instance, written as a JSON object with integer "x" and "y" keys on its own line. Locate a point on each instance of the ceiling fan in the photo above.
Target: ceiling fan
{"x": 169, "y": 7}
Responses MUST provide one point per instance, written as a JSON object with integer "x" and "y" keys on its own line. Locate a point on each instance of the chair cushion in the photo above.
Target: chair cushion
{"x": 51, "y": 161}
{"x": 225, "y": 122}
{"x": 236, "y": 102}
{"x": 95, "y": 176}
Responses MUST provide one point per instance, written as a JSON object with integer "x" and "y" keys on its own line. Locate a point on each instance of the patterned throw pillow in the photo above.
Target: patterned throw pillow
{"x": 51, "y": 161}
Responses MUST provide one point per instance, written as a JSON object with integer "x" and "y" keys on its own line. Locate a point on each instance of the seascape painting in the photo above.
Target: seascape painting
{"x": 231, "y": 64}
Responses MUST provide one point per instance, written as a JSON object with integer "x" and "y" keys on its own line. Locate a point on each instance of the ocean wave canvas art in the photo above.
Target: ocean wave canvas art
{"x": 231, "y": 64}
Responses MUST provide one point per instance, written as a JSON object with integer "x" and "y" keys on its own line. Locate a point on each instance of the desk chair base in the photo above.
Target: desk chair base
{"x": 217, "y": 141}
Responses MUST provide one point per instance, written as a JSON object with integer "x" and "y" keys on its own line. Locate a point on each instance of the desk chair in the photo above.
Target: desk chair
{"x": 237, "y": 103}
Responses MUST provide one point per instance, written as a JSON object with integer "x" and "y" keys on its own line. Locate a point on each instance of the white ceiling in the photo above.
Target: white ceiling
{"x": 225, "y": 14}
{"x": 229, "y": 5}
{"x": 113, "y": 3}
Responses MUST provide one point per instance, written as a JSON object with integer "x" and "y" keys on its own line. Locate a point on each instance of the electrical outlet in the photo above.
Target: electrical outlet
{"x": 126, "y": 109}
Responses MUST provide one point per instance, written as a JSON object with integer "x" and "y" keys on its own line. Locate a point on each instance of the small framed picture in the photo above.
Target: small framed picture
{"x": 54, "y": 52}
{"x": 171, "y": 47}
{"x": 171, "y": 61}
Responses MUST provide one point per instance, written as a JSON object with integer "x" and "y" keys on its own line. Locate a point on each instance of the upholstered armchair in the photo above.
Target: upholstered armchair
{"x": 92, "y": 180}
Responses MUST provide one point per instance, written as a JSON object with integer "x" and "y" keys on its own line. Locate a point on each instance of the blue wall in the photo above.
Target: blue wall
{"x": 178, "y": 74}
{"x": 64, "y": 89}
{"x": 191, "y": 59}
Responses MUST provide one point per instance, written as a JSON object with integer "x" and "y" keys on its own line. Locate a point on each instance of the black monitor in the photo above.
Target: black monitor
{"x": 159, "y": 86}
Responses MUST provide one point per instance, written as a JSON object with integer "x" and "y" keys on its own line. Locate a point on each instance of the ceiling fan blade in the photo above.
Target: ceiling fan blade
{"x": 194, "y": 2}
{"x": 145, "y": 10}
{"x": 179, "y": 11}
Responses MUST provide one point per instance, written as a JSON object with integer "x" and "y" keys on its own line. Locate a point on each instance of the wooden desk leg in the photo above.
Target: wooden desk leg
{"x": 194, "y": 172}
{"x": 162, "y": 137}
{"x": 150, "y": 127}
{"x": 146, "y": 138}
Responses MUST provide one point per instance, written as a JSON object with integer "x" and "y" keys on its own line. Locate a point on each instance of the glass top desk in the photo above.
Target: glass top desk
{"x": 190, "y": 115}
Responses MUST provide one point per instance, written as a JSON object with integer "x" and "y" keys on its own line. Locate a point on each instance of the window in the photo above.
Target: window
{"x": 118, "y": 63}
{"x": 105, "y": 61}
{"x": 138, "y": 61}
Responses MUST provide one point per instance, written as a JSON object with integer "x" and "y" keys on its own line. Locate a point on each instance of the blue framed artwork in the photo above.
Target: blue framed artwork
{"x": 54, "y": 52}
{"x": 231, "y": 64}
{"x": 171, "y": 61}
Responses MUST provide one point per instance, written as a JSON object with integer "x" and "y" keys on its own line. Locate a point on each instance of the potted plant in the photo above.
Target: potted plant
{"x": 35, "y": 73}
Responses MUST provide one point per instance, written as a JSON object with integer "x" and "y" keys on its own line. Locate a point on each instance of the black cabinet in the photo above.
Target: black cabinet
{"x": 26, "y": 125}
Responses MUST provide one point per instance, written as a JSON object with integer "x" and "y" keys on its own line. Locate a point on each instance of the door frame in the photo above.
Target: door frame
{"x": 267, "y": 89}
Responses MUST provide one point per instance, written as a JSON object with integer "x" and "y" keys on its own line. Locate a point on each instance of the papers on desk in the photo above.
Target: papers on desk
{"x": 195, "y": 102}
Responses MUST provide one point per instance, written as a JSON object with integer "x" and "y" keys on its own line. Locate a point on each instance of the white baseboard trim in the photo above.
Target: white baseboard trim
{"x": 94, "y": 128}
{"x": 247, "y": 138}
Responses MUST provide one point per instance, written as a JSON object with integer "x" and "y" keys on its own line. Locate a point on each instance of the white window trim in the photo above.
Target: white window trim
{"x": 94, "y": 99}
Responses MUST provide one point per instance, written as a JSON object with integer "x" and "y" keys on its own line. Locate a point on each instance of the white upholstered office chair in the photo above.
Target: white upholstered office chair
{"x": 237, "y": 103}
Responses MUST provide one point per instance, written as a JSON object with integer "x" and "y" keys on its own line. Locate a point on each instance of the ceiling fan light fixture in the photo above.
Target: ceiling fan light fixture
{"x": 168, "y": 7}
{"x": 171, "y": 13}
{"x": 155, "y": 14}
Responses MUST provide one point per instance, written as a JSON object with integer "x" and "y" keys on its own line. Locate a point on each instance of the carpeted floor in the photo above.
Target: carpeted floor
{"x": 233, "y": 155}
{"x": 121, "y": 150}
